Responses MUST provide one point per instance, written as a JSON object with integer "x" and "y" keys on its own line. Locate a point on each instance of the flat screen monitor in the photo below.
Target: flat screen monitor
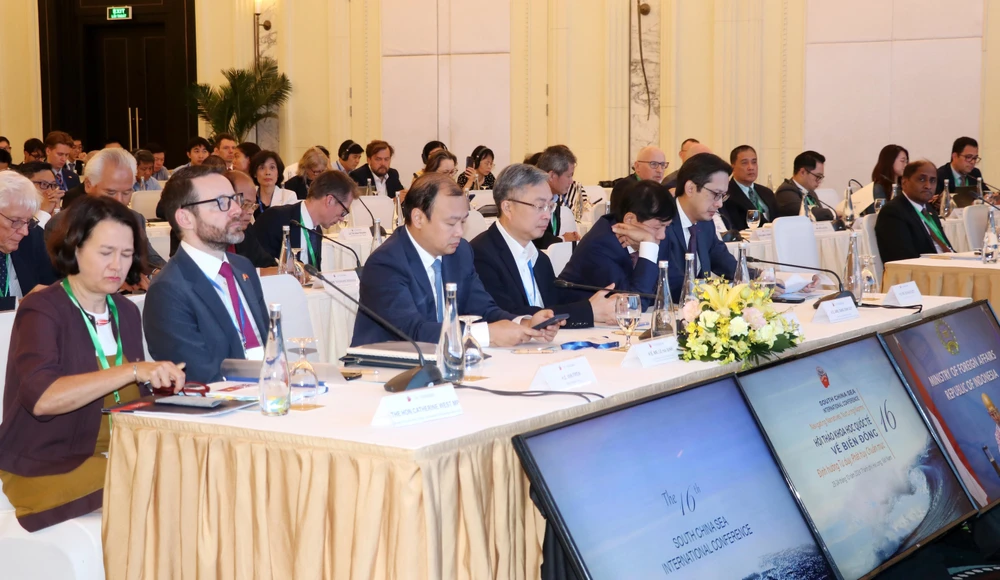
{"x": 678, "y": 486}
{"x": 952, "y": 365}
{"x": 872, "y": 478}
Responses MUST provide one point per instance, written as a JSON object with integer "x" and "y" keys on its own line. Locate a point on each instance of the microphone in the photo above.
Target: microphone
{"x": 841, "y": 293}
{"x": 416, "y": 378}
{"x": 371, "y": 215}
{"x": 852, "y": 180}
{"x": 575, "y": 286}
{"x": 358, "y": 269}
{"x": 836, "y": 221}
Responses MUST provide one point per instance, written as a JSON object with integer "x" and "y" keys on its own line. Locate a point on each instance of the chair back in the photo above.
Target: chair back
{"x": 295, "y": 319}
{"x": 975, "y": 218}
{"x": 475, "y": 224}
{"x": 481, "y": 197}
{"x": 145, "y": 202}
{"x": 381, "y": 208}
{"x": 559, "y": 254}
{"x": 868, "y": 227}
{"x": 596, "y": 194}
{"x": 69, "y": 550}
{"x": 795, "y": 243}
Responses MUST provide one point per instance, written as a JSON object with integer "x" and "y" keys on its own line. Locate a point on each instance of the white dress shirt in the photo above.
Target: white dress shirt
{"x": 919, "y": 209}
{"x": 306, "y": 221}
{"x": 210, "y": 265}
{"x": 379, "y": 183}
{"x": 525, "y": 257}
{"x": 686, "y": 224}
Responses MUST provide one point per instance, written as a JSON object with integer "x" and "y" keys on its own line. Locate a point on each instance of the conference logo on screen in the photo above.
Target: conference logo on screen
{"x": 946, "y": 336}
{"x": 823, "y": 377}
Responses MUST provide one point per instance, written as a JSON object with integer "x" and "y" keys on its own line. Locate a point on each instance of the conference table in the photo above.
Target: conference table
{"x": 321, "y": 493}
{"x": 949, "y": 275}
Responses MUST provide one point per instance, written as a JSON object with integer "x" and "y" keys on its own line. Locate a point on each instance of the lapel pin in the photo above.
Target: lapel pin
{"x": 245, "y": 277}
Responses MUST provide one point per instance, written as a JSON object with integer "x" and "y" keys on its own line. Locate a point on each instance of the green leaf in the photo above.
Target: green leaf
{"x": 247, "y": 97}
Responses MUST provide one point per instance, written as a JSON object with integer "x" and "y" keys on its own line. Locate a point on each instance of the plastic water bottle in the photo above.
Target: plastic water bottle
{"x": 286, "y": 260}
{"x": 853, "y": 277}
{"x": 275, "y": 394}
{"x": 377, "y": 236}
{"x": 742, "y": 275}
{"x": 450, "y": 354}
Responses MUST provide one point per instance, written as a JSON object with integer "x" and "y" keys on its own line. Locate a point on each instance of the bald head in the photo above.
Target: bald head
{"x": 650, "y": 163}
{"x": 243, "y": 184}
{"x": 695, "y": 149}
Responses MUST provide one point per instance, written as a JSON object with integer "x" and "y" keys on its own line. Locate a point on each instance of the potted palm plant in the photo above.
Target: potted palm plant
{"x": 249, "y": 96}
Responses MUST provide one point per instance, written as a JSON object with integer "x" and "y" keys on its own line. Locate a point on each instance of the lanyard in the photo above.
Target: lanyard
{"x": 307, "y": 234}
{"x": 92, "y": 330}
{"x": 555, "y": 218}
{"x": 237, "y": 310}
{"x": 6, "y": 280}
{"x": 934, "y": 228}
{"x": 534, "y": 286}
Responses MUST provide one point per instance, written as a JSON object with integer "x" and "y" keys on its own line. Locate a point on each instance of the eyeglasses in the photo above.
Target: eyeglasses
{"x": 347, "y": 211}
{"x": 818, "y": 176}
{"x": 46, "y": 185}
{"x": 249, "y": 206}
{"x": 972, "y": 158}
{"x": 18, "y": 224}
{"x": 548, "y": 207}
{"x": 717, "y": 195}
{"x": 190, "y": 389}
{"x": 656, "y": 164}
{"x": 224, "y": 202}
{"x": 37, "y": 156}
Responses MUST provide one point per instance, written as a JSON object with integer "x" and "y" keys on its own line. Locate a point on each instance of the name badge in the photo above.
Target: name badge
{"x": 905, "y": 294}
{"x": 564, "y": 375}
{"x": 651, "y": 353}
{"x": 762, "y": 235}
{"x": 834, "y": 311}
{"x": 417, "y": 406}
{"x": 348, "y": 235}
{"x": 823, "y": 227}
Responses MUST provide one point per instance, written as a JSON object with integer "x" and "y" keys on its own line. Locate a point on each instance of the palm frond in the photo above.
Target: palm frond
{"x": 247, "y": 97}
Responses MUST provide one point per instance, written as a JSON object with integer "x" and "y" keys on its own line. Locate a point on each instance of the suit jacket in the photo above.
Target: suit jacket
{"x": 944, "y": 172}
{"x": 713, "y": 256}
{"x": 70, "y": 178}
{"x": 901, "y": 233}
{"x": 73, "y": 194}
{"x": 788, "y": 197}
{"x": 734, "y": 210}
{"x": 298, "y": 185}
{"x": 31, "y": 262}
{"x": 600, "y": 259}
{"x": 185, "y": 320}
{"x": 153, "y": 259}
{"x": 396, "y": 286}
{"x": 251, "y": 249}
{"x": 497, "y": 269}
{"x": 268, "y": 231}
{"x": 670, "y": 179}
{"x": 362, "y": 174}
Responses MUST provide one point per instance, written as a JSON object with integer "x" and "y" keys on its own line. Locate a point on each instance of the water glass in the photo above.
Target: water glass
{"x": 753, "y": 219}
{"x": 879, "y": 203}
{"x": 868, "y": 281}
{"x": 766, "y": 278}
{"x": 628, "y": 310}
{"x": 473, "y": 350}
{"x": 302, "y": 375}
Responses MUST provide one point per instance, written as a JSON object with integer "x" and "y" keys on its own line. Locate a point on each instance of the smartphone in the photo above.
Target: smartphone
{"x": 554, "y": 320}
{"x": 790, "y": 299}
{"x": 469, "y": 162}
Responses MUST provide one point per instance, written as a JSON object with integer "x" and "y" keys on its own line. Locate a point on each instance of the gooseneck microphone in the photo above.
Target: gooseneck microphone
{"x": 575, "y": 286}
{"x": 841, "y": 293}
{"x": 358, "y": 269}
{"x": 416, "y": 378}
{"x": 371, "y": 215}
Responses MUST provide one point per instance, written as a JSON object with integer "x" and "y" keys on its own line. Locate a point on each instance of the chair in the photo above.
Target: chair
{"x": 596, "y": 194}
{"x": 381, "y": 207}
{"x": 70, "y": 550}
{"x": 598, "y": 210}
{"x": 868, "y": 227}
{"x": 795, "y": 243}
{"x": 567, "y": 220}
{"x": 559, "y": 254}
{"x": 145, "y": 202}
{"x": 831, "y": 197}
{"x": 481, "y": 197}
{"x": 975, "y": 218}
{"x": 475, "y": 224}
{"x": 295, "y": 319}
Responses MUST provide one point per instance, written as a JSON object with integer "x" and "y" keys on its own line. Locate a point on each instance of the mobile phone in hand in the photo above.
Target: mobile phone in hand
{"x": 554, "y": 320}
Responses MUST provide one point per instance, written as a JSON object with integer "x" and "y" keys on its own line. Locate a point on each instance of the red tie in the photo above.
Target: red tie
{"x": 246, "y": 329}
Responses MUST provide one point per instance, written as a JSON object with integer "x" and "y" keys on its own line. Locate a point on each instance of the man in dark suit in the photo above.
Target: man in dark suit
{"x": 702, "y": 188}
{"x": 560, "y": 163}
{"x": 58, "y": 146}
{"x": 327, "y": 203}
{"x": 905, "y": 227}
{"x": 24, "y": 262}
{"x": 650, "y": 163}
{"x": 519, "y": 277}
{"x": 404, "y": 278}
{"x": 377, "y": 172}
{"x": 808, "y": 174}
{"x": 744, "y": 194}
{"x": 962, "y": 170}
{"x": 621, "y": 249}
{"x": 250, "y": 247}
{"x": 206, "y": 305}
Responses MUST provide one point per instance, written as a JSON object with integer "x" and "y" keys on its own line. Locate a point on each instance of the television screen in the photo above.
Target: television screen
{"x": 679, "y": 486}
{"x": 870, "y": 475}
{"x": 951, "y": 364}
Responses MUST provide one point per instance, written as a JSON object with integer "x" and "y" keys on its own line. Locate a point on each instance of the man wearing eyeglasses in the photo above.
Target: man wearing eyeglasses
{"x": 206, "y": 305}
{"x": 744, "y": 194}
{"x": 962, "y": 170}
{"x": 330, "y": 195}
{"x": 650, "y": 163}
{"x": 24, "y": 262}
{"x": 34, "y": 150}
{"x": 250, "y": 247}
{"x": 519, "y": 277}
{"x": 798, "y": 194}
{"x": 44, "y": 180}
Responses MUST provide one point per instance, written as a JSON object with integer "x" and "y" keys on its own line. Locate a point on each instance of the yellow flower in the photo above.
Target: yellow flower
{"x": 708, "y": 318}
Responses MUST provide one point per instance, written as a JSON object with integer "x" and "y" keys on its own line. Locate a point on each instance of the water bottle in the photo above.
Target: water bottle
{"x": 990, "y": 244}
{"x": 853, "y": 277}
{"x": 377, "y": 236}
{"x": 275, "y": 394}
{"x": 286, "y": 260}
{"x": 849, "y": 208}
{"x": 688, "y": 288}
{"x": 368, "y": 188}
{"x": 742, "y": 275}
{"x": 870, "y": 285}
{"x": 947, "y": 202}
{"x": 577, "y": 201}
{"x": 663, "y": 323}
{"x": 397, "y": 211}
{"x": 450, "y": 356}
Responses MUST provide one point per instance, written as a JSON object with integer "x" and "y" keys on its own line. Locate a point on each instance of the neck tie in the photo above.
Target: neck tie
{"x": 757, "y": 202}
{"x": 59, "y": 179}
{"x": 242, "y": 320}
{"x": 4, "y": 281}
{"x": 935, "y": 231}
{"x": 231, "y": 248}
{"x": 635, "y": 259}
{"x": 438, "y": 289}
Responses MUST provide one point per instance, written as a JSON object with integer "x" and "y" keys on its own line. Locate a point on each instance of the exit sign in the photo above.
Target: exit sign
{"x": 119, "y": 13}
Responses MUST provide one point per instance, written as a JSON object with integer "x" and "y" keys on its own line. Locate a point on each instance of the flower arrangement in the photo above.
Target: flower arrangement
{"x": 727, "y": 323}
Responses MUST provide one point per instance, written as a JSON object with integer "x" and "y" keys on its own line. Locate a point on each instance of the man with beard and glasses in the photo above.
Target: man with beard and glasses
{"x": 206, "y": 305}
{"x": 377, "y": 172}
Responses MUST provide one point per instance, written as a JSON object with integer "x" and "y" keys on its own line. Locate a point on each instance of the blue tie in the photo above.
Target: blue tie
{"x": 438, "y": 289}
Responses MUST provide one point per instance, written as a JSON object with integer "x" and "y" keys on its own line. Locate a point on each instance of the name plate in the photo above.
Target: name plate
{"x": 823, "y": 227}
{"x": 417, "y": 406}
{"x": 762, "y": 235}
{"x": 905, "y": 294}
{"x": 834, "y": 311}
{"x": 564, "y": 375}
{"x": 342, "y": 277}
{"x": 651, "y": 353}
{"x": 348, "y": 235}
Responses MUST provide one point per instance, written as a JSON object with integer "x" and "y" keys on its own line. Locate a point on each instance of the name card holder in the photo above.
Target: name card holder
{"x": 348, "y": 235}
{"x": 905, "y": 294}
{"x": 417, "y": 406}
{"x": 823, "y": 228}
{"x": 564, "y": 375}
{"x": 651, "y": 353}
{"x": 834, "y": 311}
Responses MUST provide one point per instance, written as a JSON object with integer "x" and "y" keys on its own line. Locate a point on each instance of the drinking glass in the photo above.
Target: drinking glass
{"x": 869, "y": 284}
{"x": 302, "y": 375}
{"x": 766, "y": 278}
{"x": 628, "y": 310}
{"x": 473, "y": 350}
{"x": 879, "y": 203}
{"x": 753, "y": 219}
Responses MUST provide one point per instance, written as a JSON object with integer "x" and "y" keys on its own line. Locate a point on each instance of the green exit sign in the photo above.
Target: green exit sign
{"x": 119, "y": 13}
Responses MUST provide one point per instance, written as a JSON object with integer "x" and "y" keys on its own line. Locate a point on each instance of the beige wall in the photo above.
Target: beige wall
{"x": 20, "y": 77}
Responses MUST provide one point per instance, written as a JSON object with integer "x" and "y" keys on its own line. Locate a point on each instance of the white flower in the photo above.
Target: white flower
{"x": 709, "y": 318}
{"x": 691, "y": 310}
{"x": 738, "y": 327}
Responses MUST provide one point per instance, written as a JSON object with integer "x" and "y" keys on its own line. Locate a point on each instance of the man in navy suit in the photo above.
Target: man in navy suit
{"x": 404, "y": 278}
{"x": 744, "y": 194}
{"x": 377, "y": 171}
{"x": 702, "y": 188}
{"x": 513, "y": 271}
{"x": 327, "y": 203}
{"x": 962, "y": 170}
{"x": 24, "y": 262}
{"x": 58, "y": 146}
{"x": 621, "y": 248}
{"x": 206, "y": 305}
